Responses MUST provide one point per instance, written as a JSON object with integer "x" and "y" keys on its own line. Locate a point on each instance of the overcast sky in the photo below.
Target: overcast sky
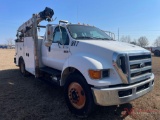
{"x": 133, "y": 17}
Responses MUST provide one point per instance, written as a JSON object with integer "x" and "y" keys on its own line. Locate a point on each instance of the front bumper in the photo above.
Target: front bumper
{"x": 120, "y": 95}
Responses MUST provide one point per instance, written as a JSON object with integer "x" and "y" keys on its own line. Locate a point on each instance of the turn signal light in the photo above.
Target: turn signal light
{"x": 95, "y": 74}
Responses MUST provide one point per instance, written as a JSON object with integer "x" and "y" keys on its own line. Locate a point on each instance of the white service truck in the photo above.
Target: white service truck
{"x": 93, "y": 68}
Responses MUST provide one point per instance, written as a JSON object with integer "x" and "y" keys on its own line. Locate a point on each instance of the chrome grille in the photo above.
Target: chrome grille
{"x": 140, "y": 67}
{"x": 133, "y": 67}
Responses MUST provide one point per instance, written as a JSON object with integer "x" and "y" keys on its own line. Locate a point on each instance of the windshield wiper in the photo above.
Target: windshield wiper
{"x": 106, "y": 39}
{"x": 101, "y": 38}
{"x": 84, "y": 37}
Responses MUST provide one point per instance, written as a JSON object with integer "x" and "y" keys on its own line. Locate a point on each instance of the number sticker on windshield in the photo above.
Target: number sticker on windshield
{"x": 74, "y": 43}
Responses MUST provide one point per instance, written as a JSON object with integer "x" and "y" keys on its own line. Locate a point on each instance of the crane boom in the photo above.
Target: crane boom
{"x": 44, "y": 15}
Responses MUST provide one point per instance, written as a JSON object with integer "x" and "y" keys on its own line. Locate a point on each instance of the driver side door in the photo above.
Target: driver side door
{"x": 58, "y": 52}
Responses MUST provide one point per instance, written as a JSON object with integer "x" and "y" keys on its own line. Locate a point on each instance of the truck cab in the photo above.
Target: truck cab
{"x": 118, "y": 72}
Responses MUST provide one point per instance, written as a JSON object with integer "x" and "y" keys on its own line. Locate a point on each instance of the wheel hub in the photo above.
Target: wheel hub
{"x": 76, "y": 95}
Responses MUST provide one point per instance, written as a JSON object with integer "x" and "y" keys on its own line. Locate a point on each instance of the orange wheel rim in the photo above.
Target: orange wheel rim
{"x": 76, "y": 95}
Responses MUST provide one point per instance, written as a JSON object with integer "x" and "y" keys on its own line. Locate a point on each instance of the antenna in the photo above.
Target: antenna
{"x": 77, "y": 12}
{"x": 118, "y": 34}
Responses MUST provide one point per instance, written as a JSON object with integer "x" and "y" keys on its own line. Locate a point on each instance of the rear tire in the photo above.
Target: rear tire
{"x": 22, "y": 68}
{"x": 78, "y": 95}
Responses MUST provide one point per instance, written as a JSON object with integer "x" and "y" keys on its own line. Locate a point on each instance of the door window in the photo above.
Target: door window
{"x": 61, "y": 37}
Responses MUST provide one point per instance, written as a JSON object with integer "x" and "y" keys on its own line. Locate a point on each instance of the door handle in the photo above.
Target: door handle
{"x": 65, "y": 51}
{"x": 49, "y": 49}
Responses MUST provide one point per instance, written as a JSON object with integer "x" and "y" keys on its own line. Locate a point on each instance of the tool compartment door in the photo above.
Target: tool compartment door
{"x": 19, "y": 51}
{"x": 29, "y": 58}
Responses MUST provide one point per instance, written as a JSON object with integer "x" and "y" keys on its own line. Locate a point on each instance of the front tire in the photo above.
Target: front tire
{"x": 78, "y": 95}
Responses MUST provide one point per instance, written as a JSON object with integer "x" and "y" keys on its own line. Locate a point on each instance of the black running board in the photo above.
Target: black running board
{"x": 54, "y": 75}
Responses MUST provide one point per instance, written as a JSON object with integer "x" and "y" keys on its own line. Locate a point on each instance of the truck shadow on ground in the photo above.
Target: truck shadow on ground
{"x": 34, "y": 99}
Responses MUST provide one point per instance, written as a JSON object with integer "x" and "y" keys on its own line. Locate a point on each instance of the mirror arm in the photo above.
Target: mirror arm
{"x": 61, "y": 34}
{"x": 59, "y": 44}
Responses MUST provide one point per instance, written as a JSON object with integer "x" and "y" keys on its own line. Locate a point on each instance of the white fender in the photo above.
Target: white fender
{"x": 86, "y": 62}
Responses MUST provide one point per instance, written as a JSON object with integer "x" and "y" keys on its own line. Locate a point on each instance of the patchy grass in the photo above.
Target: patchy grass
{"x": 33, "y": 99}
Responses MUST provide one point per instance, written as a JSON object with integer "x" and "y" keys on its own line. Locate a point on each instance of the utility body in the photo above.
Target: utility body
{"x": 93, "y": 68}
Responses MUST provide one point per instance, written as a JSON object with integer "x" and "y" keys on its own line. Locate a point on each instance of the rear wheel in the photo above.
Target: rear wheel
{"x": 78, "y": 95}
{"x": 22, "y": 68}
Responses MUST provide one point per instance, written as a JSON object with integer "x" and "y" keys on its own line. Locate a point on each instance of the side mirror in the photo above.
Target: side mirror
{"x": 48, "y": 43}
{"x": 49, "y": 35}
{"x": 17, "y": 40}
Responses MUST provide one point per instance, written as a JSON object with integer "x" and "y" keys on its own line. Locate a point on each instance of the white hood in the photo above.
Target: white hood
{"x": 114, "y": 45}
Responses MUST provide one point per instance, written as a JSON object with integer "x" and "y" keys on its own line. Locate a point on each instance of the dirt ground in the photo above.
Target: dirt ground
{"x": 33, "y": 99}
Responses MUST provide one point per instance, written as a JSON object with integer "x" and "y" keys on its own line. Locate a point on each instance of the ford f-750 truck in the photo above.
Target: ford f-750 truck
{"x": 93, "y": 68}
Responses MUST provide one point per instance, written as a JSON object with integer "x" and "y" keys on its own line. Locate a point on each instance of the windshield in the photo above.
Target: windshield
{"x": 87, "y": 32}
